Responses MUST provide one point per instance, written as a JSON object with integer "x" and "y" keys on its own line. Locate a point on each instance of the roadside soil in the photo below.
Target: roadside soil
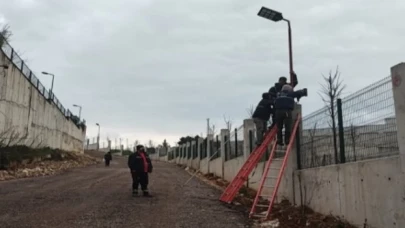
{"x": 50, "y": 165}
{"x": 284, "y": 214}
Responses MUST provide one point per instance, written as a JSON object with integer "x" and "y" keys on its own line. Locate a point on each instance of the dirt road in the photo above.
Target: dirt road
{"x": 100, "y": 197}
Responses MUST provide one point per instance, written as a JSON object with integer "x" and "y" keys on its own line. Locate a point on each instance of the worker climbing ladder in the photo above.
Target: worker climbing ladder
{"x": 233, "y": 188}
{"x": 272, "y": 176}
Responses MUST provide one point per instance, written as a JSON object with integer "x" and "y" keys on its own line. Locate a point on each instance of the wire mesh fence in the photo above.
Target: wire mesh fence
{"x": 19, "y": 63}
{"x": 239, "y": 141}
{"x": 234, "y": 144}
{"x": 215, "y": 148}
{"x": 203, "y": 148}
{"x": 194, "y": 146}
{"x": 368, "y": 129}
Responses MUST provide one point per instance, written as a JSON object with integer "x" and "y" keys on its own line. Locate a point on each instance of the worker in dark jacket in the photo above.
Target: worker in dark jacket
{"x": 276, "y": 89}
{"x": 281, "y": 82}
{"x": 107, "y": 158}
{"x": 140, "y": 165}
{"x": 261, "y": 116}
{"x": 284, "y": 105}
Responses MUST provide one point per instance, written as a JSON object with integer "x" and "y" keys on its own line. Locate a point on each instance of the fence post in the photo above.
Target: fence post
{"x": 341, "y": 131}
{"x": 218, "y": 147}
{"x": 236, "y": 142}
{"x": 209, "y": 151}
{"x": 298, "y": 145}
{"x": 398, "y": 85}
{"x": 226, "y": 148}
{"x": 250, "y": 141}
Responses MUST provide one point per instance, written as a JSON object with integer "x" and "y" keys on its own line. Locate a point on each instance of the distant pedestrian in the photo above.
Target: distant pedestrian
{"x": 107, "y": 158}
{"x": 140, "y": 165}
{"x": 261, "y": 116}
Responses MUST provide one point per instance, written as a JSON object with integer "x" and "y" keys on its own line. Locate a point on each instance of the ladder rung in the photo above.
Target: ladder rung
{"x": 272, "y": 177}
{"x": 262, "y": 205}
{"x": 258, "y": 215}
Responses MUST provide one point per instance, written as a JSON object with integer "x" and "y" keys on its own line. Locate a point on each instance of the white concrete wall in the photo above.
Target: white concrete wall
{"x": 195, "y": 163}
{"x": 25, "y": 113}
{"x": 204, "y": 166}
{"x": 216, "y": 167}
{"x": 232, "y": 167}
{"x": 371, "y": 191}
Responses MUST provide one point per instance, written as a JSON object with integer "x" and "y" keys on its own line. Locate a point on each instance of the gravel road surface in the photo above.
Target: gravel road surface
{"x": 101, "y": 197}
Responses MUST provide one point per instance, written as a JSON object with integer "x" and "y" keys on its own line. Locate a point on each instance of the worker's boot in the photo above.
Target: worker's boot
{"x": 135, "y": 192}
{"x": 146, "y": 193}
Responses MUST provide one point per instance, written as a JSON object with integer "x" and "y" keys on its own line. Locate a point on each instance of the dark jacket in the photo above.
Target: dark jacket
{"x": 273, "y": 91}
{"x": 108, "y": 157}
{"x": 136, "y": 163}
{"x": 285, "y": 100}
{"x": 264, "y": 108}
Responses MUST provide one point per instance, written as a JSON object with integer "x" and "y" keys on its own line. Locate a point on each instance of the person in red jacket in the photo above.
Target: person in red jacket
{"x": 140, "y": 165}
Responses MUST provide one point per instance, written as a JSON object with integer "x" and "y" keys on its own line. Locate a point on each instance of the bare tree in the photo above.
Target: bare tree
{"x": 353, "y": 137}
{"x": 151, "y": 143}
{"x": 331, "y": 90}
{"x": 165, "y": 144}
{"x": 250, "y": 111}
{"x": 228, "y": 123}
{"x": 213, "y": 130}
{"x": 5, "y": 34}
{"x": 312, "y": 135}
{"x": 229, "y": 152}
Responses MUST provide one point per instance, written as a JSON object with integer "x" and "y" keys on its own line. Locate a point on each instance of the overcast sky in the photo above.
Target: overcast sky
{"x": 155, "y": 69}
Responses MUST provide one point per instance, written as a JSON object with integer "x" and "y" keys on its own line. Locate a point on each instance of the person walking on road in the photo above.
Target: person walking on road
{"x": 107, "y": 159}
{"x": 140, "y": 165}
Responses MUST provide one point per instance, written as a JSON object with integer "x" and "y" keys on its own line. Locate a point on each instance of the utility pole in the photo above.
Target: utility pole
{"x": 208, "y": 145}
{"x": 208, "y": 126}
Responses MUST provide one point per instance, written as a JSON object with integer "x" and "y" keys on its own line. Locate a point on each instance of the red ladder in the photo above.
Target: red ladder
{"x": 233, "y": 188}
{"x": 273, "y": 187}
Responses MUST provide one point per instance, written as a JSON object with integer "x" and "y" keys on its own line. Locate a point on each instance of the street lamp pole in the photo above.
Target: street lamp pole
{"x": 53, "y": 78}
{"x": 80, "y": 110}
{"x": 277, "y": 16}
{"x": 98, "y": 137}
{"x": 290, "y": 52}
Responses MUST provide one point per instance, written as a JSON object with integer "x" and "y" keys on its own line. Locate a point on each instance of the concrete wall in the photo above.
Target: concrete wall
{"x": 371, "y": 192}
{"x": 216, "y": 167}
{"x": 195, "y": 163}
{"x": 204, "y": 165}
{"x": 26, "y": 114}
